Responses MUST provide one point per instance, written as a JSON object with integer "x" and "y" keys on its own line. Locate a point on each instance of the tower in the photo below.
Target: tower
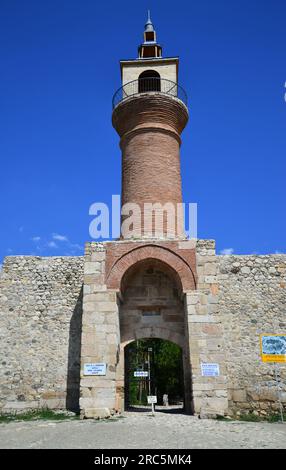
{"x": 149, "y": 114}
{"x": 155, "y": 283}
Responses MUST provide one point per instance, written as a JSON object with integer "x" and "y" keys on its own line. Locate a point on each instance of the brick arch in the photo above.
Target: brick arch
{"x": 173, "y": 260}
{"x": 156, "y": 333}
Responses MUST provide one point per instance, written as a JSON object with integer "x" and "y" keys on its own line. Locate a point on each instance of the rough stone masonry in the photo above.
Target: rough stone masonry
{"x": 43, "y": 315}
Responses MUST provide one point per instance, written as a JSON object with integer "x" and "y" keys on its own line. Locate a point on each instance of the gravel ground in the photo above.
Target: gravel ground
{"x": 143, "y": 431}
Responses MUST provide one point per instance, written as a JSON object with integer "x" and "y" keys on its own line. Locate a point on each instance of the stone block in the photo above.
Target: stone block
{"x": 106, "y": 393}
{"x": 104, "y": 402}
{"x": 53, "y": 403}
{"x": 203, "y": 299}
{"x": 96, "y": 297}
{"x": 91, "y": 320}
{"x": 201, "y": 387}
{"x": 97, "y": 279}
{"x": 213, "y": 299}
{"x": 221, "y": 393}
{"x": 239, "y": 395}
{"x": 201, "y": 319}
{"x": 188, "y": 244}
{"x": 106, "y": 307}
{"x": 210, "y": 279}
{"x": 210, "y": 269}
{"x": 86, "y": 289}
{"x": 89, "y": 349}
{"x": 214, "y": 289}
{"x": 92, "y": 267}
{"x": 214, "y": 405}
{"x": 98, "y": 256}
{"x": 197, "y": 404}
{"x": 85, "y": 403}
{"x": 97, "y": 413}
{"x": 85, "y": 392}
{"x": 111, "y": 328}
{"x": 112, "y": 338}
{"x": 245, "y": 270}
{"x": 213, "y": 309}
{"x": 88, "y": 381}
{"x": 89, "y": 307}
{"x": 264, "y": 394}
{"x": 211, "y": 329}
{"x": 202, "y": 309}
{"x": 97, "y": 287}
{"x": 191, "y": 310}
{"x": 14, "y": 406}
{"x": 112, "y": 296}
{"x": 192, "y": 299}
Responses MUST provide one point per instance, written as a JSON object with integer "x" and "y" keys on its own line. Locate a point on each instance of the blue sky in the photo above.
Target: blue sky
{"x": 59, "y": 152}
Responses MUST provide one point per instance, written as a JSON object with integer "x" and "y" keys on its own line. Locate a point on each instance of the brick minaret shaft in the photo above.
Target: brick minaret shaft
{"x": 149, "y": 124}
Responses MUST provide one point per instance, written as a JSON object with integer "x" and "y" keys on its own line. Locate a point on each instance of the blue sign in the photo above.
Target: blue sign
{"x": 209, "y": 369}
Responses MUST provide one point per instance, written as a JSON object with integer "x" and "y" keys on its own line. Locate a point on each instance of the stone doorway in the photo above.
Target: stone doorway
{"x": 152, "y": 306}
{"x": 154, "y": 367}
{"x": 133, "y": 291}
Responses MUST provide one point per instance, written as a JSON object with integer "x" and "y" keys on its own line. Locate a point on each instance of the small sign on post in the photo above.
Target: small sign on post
{"x": 209, "y": 369}
{"x": 152, "y": 399}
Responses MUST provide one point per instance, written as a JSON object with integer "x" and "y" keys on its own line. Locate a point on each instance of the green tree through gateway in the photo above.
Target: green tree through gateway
{"x": 164, "y": 360}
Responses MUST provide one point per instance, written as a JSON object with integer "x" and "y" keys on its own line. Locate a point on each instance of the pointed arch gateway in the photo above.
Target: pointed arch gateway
{"x": 152, "y": 306}
{"x": 181, "y": 267}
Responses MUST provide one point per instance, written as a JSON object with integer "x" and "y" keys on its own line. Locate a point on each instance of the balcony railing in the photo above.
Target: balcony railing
{"x": 149, "y": 85}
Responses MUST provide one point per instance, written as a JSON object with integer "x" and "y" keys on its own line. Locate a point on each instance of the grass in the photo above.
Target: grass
{"x": 32, "y": 415}
{"x": 112, "y": 419}
{"x": 253, "y": 418}
{"x": 223, "y": 418}
{"x": 275, "y": 418}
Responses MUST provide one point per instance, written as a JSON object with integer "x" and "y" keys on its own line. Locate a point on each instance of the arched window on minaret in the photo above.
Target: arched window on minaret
{"x": 149, "y": 80}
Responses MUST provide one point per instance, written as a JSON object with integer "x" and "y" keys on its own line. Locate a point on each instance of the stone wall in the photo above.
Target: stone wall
{"x": 44, "y": 336}
{"x": 100, "y": 336}
{"x": 40, "y": 329}
{"x": 252, "y": 300}
{"x": 206, "y": 342}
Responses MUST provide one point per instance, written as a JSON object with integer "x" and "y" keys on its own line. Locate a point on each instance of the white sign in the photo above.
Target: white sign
{"x": 94, "y": 369}
{"x": 151, "y": 399}
{"x": 141, "y": 373}
{"x": 209, "y": 369}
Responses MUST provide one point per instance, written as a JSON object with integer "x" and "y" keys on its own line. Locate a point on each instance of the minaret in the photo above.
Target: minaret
{"x": 149, "y": 114}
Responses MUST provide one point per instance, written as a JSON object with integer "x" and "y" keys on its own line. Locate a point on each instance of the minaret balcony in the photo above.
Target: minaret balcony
{"x": 149, "y": 86}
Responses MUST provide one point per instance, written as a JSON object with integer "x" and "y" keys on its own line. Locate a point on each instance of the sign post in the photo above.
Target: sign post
{"x": 279, "y": 392}
{"x": 273, "y": 349}
{"x": 151, "y": 400}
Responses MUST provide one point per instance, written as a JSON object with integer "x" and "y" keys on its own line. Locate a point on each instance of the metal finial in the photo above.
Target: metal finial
{"x": 149, "y": 25}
